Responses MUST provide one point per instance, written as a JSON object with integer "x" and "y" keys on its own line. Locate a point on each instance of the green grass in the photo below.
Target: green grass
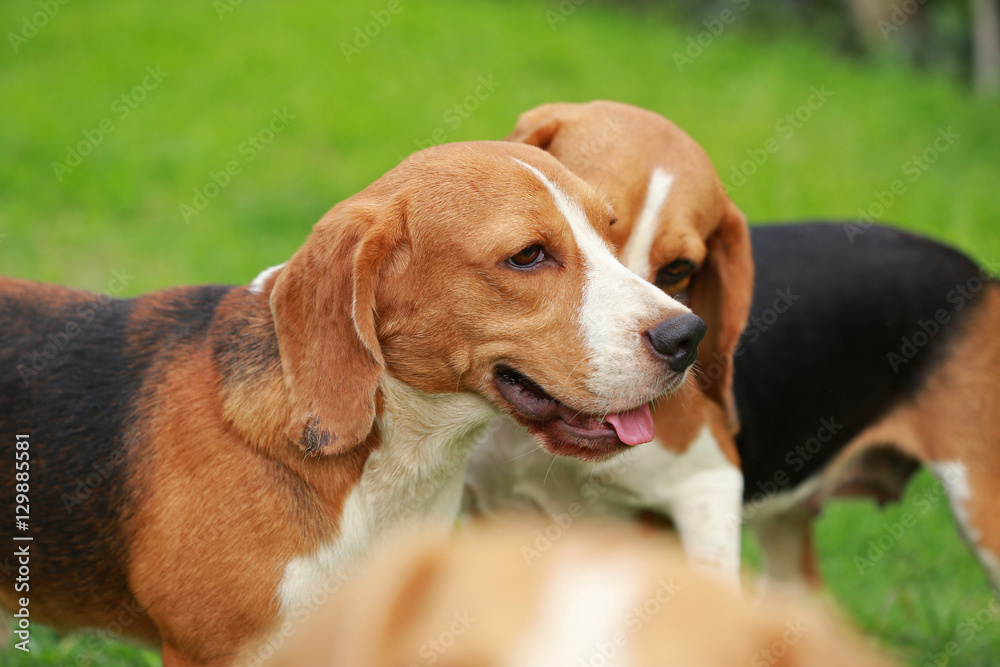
{"x": 906, "y": 576}
{"x": 120, "y": 209}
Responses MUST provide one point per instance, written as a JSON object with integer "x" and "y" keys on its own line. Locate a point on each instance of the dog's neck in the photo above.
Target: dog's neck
{"x": 251, "y": 387}
{"x": 427, "y": 439}
{"x": 413, "y": 477}
{"x": 409, "y": 471}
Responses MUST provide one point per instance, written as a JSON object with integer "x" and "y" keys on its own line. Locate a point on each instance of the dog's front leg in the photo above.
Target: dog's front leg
{"x": 706, "y": 507}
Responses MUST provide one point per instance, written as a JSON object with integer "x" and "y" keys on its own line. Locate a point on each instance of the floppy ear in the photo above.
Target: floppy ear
{"x": 536, "y": 127}
{"x": 323, "y": 303}
{"x": 721, "y": 294}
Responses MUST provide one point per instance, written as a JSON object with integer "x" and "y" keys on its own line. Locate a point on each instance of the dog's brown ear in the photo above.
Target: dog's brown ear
{"x": 536, "y": 127}
{"x": 721, "y": 294}
{"x": 323, "y": 304}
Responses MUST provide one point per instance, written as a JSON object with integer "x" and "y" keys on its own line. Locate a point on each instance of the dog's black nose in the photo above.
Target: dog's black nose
{"x": 677, "y": 340}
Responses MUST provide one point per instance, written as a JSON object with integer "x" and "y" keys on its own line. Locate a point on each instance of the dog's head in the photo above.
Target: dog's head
{"x": 676, "y": 227}
{"x": 482, "y": 268}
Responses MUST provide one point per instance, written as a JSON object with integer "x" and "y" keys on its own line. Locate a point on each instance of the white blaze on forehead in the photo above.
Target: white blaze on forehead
{"x": 615, "y": 302}
{"x": 589, "y": 241}
{"x": 635, "y": 255}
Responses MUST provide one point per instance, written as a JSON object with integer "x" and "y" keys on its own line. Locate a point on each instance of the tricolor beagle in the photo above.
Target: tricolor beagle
{"x": 884, "y": 358}
{"x": 593, "y": 596}
{"x": 678, "y": 229}
{"x": 869, "y": 353}
{"x": 213, "y": 455}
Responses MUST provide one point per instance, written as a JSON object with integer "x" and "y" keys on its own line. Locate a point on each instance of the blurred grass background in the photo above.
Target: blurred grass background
{"x": 230, "y": 64}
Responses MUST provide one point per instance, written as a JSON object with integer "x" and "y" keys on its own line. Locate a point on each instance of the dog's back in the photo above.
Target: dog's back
{"x": 867, "y": 356}
{"x": 830, "y": 319}
{"x": 71, "y": 371}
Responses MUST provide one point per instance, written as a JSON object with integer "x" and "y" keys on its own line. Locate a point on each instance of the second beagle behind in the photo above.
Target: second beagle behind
{"x": 677, "y": 229}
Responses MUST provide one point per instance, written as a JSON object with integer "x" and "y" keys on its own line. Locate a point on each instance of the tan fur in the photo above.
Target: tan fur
{"x": 404, "y": 610}
{"x": 952, "y": 419}
{"x": 614, "y": 147}
{"x": 250, "y": 437}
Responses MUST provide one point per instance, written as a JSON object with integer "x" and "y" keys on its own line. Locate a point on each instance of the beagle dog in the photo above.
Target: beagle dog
{"x": 883, "y": 359}
{"x": 906, "y": 379}
{"x": 212, "y": 456}
{"x": 679, "y": 230}
{"x": 596, "y": 595}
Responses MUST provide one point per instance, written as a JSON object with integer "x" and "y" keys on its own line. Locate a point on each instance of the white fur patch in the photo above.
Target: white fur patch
{"x": 777, "y": 519}
{"x": 991, "y": 564}
{"x": 635, "y": 255}
{"x": 258, "y": 284}
{"x": 615, "y": 301}
{"x": 414, "y": 477}
{"x": 582, "y": 607}
{"x": 770, "y": 506}
{"x": 700, "y": 489}
{"x": 954, "y": 477}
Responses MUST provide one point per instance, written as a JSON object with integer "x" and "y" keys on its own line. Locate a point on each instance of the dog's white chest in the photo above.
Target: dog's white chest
{"x": 414, "y": 479}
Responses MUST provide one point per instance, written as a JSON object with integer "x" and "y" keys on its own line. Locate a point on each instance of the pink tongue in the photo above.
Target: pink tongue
{"x": 633, "y": 427}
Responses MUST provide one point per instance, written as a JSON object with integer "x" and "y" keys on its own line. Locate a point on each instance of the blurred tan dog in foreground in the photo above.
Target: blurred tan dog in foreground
{"x": 597, "y": 595}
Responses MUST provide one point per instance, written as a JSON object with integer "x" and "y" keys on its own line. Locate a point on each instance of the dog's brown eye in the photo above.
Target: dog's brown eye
{"x": 674, "y": 272}
{"x": 528, "y": 257}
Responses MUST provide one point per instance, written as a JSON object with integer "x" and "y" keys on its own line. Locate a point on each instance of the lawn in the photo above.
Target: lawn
{"x": 154, "y": 144}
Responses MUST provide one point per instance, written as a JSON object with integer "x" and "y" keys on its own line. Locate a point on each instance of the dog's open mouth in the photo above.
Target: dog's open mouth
{"x": 565, "y": 430}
